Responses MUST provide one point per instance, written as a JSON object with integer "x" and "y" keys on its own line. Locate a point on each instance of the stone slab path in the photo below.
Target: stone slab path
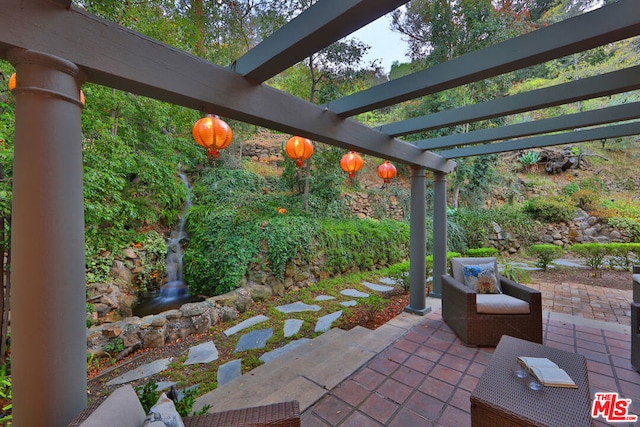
{"x": 207, "y": 352}
{"x": 254, "y": 339}
{"x": 140, "y": 372}
{"x": 246, "y": 324}
{"x": 202, "y": 353}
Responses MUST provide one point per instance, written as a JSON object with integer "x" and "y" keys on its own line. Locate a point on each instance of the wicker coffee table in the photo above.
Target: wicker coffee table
{"x": 501, "y": 399}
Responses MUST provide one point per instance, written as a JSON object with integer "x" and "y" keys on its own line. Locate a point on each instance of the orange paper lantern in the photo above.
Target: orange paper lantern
{"x": 387, "y": 171}
{"x": 299, "y": 149}
{"x": 351, "y": 163}
{"x": 213, "y": 134}
{"x": 12, "y": 82}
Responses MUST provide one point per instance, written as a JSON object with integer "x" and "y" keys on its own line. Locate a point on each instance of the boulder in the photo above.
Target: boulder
{"x": 154, "y": 338}
{"x": 260, "y": 292}
{"x": 120, "y": 271}
{"x": 194, "y": 309}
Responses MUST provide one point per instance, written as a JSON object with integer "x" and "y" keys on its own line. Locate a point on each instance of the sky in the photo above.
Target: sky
{"x": 386, "y": 45}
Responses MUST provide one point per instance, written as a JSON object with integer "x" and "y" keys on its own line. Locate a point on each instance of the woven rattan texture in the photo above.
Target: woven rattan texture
{"x": 635, "y": 336}
{"x": 285, "y": 414}
{"x": 501, "y": 399}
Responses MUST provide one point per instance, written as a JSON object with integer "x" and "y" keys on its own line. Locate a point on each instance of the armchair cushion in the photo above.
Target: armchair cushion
{"x": 481, "y": 278}
{"x": 501, "y": 304}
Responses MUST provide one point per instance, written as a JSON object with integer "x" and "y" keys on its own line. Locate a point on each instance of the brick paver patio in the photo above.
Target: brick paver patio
{"x": 426, "y": 377}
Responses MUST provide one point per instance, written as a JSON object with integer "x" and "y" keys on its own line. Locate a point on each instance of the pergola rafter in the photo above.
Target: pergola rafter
{"x": 317, "y": 27}
{"x": 614, "y": 114}
{"x": 574, "y": 136}
{"x": 578, "y": 90}
{"x": 605, "y": 25}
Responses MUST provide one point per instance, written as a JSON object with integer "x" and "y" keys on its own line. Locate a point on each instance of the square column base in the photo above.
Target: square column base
{"x": 419, "y": 312}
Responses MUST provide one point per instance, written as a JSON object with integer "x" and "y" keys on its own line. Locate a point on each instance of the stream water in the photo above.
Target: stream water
{"x": 175, "y": 291}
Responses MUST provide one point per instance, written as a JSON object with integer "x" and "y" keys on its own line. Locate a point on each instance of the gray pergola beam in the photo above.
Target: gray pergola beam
{"x": 608, "y": 24}
{"x": 317, "y": 27}
{"x": 577, "y": 90}
{"x": 134, "y": 63}
{"x": 602, "y": 116}
{"x": 614, "y": 131}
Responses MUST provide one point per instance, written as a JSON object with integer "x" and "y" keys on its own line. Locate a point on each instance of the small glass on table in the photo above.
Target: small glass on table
{"x": 522, "y": 373}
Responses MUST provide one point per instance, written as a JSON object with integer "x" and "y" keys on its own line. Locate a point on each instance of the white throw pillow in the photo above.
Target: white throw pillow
{"x": 122, "y": 408}
{"x": 163, "y": 414}
{"x": 481, "y": 278}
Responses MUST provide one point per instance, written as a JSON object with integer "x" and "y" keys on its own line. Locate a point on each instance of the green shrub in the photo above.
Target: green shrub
{"x": 593, "y": 253}
{"x": 400, "y": 274}
{"x": 570, "y": 189}
{"x": 362, "y": 244}
{"x": 6, "y": 392}
{"x": 372, "y": 305}
{"x": 530, "y": 158}
{"x": 234, "y": 223}
{"x": 628, "y": 225}
{"x": 449, "y": 256}
{"x": 550, "y": 209}
{"x": 220, "y": 249}
{"x": 621, "y": 255}
{"x": 482, "y": 252}
{"x": 545, "y": 253}
{"x": 516, "y": 274}
{"x": 587, "y": 200}
{"x": 475, "y": 226}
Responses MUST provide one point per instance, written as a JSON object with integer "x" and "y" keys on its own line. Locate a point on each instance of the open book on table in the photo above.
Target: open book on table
{"x": 547, "y": 372}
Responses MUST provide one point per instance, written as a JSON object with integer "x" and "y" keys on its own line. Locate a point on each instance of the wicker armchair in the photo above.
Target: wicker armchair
{"x": 460, "y": 311}
{"x": 635, "y": 319}
{"x": 285, "y": 414}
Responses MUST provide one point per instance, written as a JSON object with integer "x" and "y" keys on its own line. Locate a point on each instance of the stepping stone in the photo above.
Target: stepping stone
{"x": 519, "y": 264}
{"x": 324, "y": 323}
{"x": 269, "y": 356}
{"x": 245, "y": 324}
{"x": 254, "y": 339}
{"x": 292, "y": 326}
{"x": 354, "y": 293}
{"x": 297, "y": 307}
{"x": 379, "y": 288}
{"x": 202, "y": 353}
{"x": 567, "y": 263}
{"x": 164, "y": 385}
{"x": 229, "y": 371}
{"x": 324, "y": 298}
{"x": 388, "y": 281}
{"x": 181, "y": 393}
{"x": 141, "y": 372}
{"x": 348, "y": 303}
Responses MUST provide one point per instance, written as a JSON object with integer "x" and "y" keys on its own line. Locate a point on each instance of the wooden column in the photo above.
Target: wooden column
{"x": 48, "y": 326}
{"x": 418, "y": 243}
{"x": 439, "y": 231}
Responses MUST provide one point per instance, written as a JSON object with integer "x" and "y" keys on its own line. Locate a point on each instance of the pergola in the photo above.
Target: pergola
{"x": 56, "y": 48}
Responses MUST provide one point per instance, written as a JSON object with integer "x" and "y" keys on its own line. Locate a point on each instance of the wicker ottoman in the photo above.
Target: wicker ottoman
{"x": 500, "y": 399}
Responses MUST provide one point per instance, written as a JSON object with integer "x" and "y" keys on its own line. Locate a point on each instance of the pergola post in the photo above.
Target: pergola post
{"x": 48, "y": 312}
{"x": 439, "y": 232}
{"x": 418, "y": 243}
